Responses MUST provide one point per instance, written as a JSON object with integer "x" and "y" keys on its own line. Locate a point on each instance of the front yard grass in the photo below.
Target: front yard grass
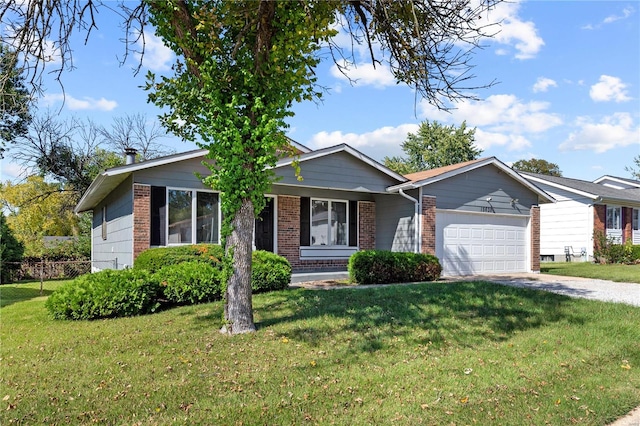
{"x": 434, "y": 353}
{"x": 613, "y": 272}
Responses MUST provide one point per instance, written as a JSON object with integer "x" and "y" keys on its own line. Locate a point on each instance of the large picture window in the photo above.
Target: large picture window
{"x": 329, "y": 223}
{"x": 614, "y": 218}
{"x": 188, "y": 208}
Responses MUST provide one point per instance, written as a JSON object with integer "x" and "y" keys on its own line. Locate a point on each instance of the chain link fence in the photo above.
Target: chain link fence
{"x": 50, "y": 270}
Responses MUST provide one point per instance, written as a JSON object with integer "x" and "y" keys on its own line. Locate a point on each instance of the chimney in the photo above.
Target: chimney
{"x": 130, "y": 155}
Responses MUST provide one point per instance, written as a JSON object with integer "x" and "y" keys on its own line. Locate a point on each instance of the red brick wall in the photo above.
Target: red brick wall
{"x": 141, "y": 218}
{"x": 289, "y": 228}
{"x": 366, "y": 225}
{"x": 428, "y": 225}
{"x": 627, "y": 223}
{"x": 599, "y": 222}
{"x": 535, "y": 238}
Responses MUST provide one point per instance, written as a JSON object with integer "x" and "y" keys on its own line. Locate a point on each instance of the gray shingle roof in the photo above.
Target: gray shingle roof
{"x": 606, "y": 193}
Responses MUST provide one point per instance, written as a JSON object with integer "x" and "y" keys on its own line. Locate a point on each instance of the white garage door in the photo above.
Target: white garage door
{"x": 481, "y": 244}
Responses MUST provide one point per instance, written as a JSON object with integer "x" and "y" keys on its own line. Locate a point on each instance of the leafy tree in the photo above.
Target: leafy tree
{"x": 537, "y": 165}
{"x": 37, "y": 209}
{"x": 635, "y": 171}
{"x": 15, "y": 100}
{"x": 433, "y": 146}
{"x": 11, "y": 250}
{"x": 243, "y": 64}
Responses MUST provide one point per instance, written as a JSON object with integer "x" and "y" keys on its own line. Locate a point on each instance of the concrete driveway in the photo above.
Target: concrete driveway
{"x": 607, "y": 291}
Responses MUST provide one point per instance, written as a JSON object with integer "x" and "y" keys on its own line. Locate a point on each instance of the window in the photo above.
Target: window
{"x": 187, "y": 208}
{"x": 614, "y": 218}
{"x": 329, "y": 223}
{"x": 635, "y": 219}
{"x": 104, "y": 222}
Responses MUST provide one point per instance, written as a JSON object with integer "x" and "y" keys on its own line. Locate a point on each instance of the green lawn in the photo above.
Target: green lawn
{"x": 617, "y": 272}
{"x": 435, "y": 353}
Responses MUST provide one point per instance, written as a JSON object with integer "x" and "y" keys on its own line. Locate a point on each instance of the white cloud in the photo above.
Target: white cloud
{"x": 10, "y": 171}
{"x": 364, "y": 74}
{"x": 523, "y": 35}
{"x": 626, "y": 12}
{"x": 501, "y": 120}
{"x": 157, "y": 56}
{"x": 609, "y": 89}
{"x": 617, "y": 130}
{"x": 75, "y": 104}
{"x": 384, "y": 136}
{"x": 543, "y": 84}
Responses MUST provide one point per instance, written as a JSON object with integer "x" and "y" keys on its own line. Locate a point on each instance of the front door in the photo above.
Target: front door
{"x": 264, "y": 227}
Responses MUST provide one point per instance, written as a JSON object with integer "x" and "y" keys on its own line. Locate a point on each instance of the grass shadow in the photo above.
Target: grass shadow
{"x": 434, "y": 314}
{"x": 14, "y": 293}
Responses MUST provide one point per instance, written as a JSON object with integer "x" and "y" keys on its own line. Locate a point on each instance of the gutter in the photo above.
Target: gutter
{"x": 416, "y": 218}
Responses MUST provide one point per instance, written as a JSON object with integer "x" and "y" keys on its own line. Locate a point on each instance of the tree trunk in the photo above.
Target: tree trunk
{"x": 238, "y": 310}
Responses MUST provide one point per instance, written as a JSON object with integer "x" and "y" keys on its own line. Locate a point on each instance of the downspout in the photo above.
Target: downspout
{"x": 416, "y": 219}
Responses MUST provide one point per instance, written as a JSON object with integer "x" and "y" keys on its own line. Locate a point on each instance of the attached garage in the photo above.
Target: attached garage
{"x": 469, "y": 243}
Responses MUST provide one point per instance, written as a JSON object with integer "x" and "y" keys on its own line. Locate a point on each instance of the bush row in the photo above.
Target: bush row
{"x": 191, "y": 274}
{"x": 608, "y": 250}
{"x": 384, "y": 267}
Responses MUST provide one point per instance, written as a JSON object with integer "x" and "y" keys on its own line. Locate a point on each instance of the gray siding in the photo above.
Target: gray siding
{"x": 395, "y": 222}
{"x": 119, "y": 242}
{"x": 469, "y": 192}
{"x": 340, "y": 171}
{"x": 180, "y": 175}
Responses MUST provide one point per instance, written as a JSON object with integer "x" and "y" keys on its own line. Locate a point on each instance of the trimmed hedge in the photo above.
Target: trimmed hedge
{"x": 385, "y": 267}
{"x": 106, "y": 294}
{"x": 155, "y": 259}
{"x": 269, "y": 272}
{"x": 190, "y": 282}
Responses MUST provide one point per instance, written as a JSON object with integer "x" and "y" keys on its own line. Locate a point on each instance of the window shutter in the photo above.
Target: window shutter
{"x": 305, "y": 221}
{"x": 158, "y": 215}
{"x": 353, "y": 224}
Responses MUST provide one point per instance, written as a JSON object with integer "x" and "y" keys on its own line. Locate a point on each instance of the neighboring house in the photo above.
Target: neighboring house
{"x": 477, "y": 217}
{"x": 609, "y": 206}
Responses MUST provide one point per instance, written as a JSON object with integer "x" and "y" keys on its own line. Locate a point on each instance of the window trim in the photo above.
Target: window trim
{"x": 619, "y": 221}
{"x": 194, "y": 214}
{"x": 347, "y": 222}
{"x": 635, "y": 219}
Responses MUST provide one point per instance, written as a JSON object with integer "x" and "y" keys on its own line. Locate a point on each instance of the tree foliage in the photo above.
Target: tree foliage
{"x": 537, "y": 165}
{"x": 433, "y": 146}
{"x": 243, "y": 64}
{"x": 38, "y": 209}
{"x": 634, "y": 170}
{"x": 11, "y": 250}
{"x": 15, "y": 100}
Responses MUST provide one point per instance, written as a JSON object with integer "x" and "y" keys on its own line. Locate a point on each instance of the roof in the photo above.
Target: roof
{"x": 592, "y": 190}
{"x": 109, "y": 180}
{"x": 428, "y": 177}
{"x": 619, "y": 180}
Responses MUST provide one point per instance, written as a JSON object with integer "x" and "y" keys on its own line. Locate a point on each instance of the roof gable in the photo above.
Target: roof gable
{"x": 428, "y": 177}
{"x": 594, "y": 191}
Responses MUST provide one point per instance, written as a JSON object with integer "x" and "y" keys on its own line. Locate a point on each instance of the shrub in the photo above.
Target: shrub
{"x": 155, "y": 259}
{"x": 105, "y": 294}
{"x": 190, "y": 282}
{"x": 269, "y": 272}
{"x": 383, "y": 267}
{"x": 608, "y": 250}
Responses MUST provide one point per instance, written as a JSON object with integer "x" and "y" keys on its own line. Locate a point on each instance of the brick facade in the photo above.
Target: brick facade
{"x": 599, "y": 223}
{"x": 535, "y": 239}
{"x": 141, "y": 218}
{"x": 366, "y": 225}
{"x": 289, "y": 228}
{"x": 428, "y": 225}
{"x": 289, "y": 235}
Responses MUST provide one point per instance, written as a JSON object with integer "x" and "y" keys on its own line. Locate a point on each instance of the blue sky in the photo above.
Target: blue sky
{"x": 568, "y": 91}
